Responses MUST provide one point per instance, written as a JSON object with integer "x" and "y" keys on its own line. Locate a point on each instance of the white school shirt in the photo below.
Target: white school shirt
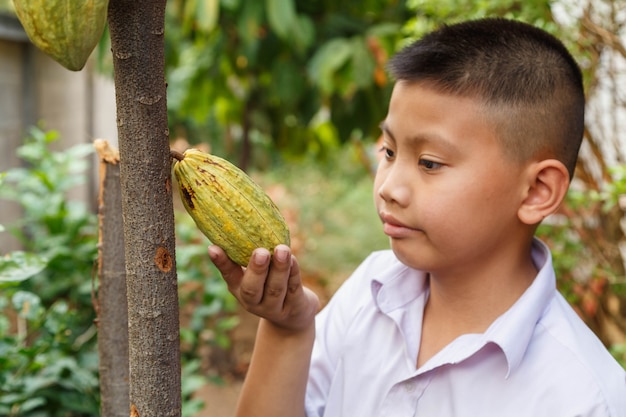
{"x": 538, "y": 359}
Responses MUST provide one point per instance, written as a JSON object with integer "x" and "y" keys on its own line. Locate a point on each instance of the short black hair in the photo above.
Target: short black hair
{"x": 530, "y": 84}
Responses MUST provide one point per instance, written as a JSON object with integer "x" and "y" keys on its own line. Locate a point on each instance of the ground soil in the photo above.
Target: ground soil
{"x": 219, "y": 400}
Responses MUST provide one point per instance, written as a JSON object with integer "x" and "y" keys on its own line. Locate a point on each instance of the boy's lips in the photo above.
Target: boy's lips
{"x": 394, "y": 228}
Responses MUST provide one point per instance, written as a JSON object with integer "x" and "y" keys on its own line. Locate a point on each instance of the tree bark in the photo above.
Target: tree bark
{"x": 137, "y": 44}
{"x": 111, "y": 307}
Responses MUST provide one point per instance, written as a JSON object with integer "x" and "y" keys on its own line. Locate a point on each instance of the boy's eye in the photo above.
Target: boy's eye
{"x": 429, "y": 165}
{"x": 387, "y": 152}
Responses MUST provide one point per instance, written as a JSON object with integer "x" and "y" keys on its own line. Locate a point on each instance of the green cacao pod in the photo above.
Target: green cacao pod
{"x": 66, "y": 30}
{"x": 228, "y": 206}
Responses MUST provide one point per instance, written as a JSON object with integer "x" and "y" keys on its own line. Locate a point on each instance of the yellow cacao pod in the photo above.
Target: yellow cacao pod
{"x": 66, "y": 30}
{"x": 227, "y": 205}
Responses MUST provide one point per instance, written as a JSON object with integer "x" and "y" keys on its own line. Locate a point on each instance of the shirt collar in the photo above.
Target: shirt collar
{"x": 512, "y": 331}
{"x": 397, "y": 287}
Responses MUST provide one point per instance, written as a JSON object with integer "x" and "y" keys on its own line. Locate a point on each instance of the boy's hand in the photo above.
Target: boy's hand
{"x": 271, "y": 290}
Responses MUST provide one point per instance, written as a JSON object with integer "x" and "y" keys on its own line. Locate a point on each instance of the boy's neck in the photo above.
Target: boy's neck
{"x": 477, "y": 301}
{"x": 470, "y": 302}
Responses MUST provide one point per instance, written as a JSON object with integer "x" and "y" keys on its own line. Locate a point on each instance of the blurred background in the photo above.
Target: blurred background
{"x": 292, "y": 92}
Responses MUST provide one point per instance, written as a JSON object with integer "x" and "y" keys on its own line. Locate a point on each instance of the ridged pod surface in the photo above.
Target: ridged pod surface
{"x": 228, "y": 206}
{"x": 66, "y": 30}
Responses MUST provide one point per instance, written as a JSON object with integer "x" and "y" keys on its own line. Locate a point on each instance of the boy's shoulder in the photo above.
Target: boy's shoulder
{"x": 575, "y": 356}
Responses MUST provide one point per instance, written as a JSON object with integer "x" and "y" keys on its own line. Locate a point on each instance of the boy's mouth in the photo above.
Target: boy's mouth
{"x": 394, "y": 228}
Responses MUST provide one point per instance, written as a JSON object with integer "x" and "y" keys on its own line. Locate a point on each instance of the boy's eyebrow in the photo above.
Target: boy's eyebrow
{"x": 383, "y": 126}
{"x": 436, "y": 139}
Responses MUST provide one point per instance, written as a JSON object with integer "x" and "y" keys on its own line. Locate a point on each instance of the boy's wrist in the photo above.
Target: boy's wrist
{"x": 299, "y": 316}
{"x": 278, "y": 330}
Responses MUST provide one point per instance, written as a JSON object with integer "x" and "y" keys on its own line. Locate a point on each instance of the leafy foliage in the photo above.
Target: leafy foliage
{"x": 296, "y": 76}
{"x": 61, "y": 231}
{"x": 48, "y": 366}
{"x": 19, "y": 266}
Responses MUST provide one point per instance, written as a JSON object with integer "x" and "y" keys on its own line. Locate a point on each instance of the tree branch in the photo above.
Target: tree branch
{"x": 112, "y": 309}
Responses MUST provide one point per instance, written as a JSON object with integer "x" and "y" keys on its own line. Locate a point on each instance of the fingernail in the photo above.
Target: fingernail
{"x": 212, "y": 253}
{"x": 281, "y": 255}
{"x": 261, "y": 257}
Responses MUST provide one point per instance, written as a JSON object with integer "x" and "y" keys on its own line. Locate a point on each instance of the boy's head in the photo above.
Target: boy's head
{"x": 530, "y": 86}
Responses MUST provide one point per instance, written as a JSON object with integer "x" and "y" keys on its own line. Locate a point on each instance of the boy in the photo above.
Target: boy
{"x": 461, "y": 317}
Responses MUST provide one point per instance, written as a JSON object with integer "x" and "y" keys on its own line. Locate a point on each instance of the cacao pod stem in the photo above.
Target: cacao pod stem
{"x": 176, "y": 155}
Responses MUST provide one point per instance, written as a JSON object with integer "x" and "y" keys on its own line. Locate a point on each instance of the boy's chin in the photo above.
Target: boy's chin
{"x": 411, "y": 256}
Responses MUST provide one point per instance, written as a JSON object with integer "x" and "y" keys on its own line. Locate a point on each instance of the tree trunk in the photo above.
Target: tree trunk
{"x": 111, "y": 308}
{"x": 137, "y": 44}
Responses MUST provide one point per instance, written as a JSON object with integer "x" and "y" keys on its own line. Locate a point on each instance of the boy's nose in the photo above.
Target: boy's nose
{"x": 394, "y": 187}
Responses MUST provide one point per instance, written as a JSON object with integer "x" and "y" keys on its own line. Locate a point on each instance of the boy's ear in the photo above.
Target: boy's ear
{"x": 548, "y": 181}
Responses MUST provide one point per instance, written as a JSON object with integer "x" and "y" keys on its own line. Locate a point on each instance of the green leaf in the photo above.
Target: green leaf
{"x": 288, "y": 83}
{"x": 192, "y": 407}
{"x": 249, "y": 25}
{"x": 19, "y": 266}
{"x": 282, "y": 17}
{"x": 328, "y": 59}
{"x": 302, "y": 34}
{"x": 207, "y": 13}
{"x": 32, "y": 403}
{"x": 363, "y": 64}
{"x": 27, "y": 304}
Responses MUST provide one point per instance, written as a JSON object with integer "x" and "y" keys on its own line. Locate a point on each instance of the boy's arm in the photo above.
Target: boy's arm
{"x": 276, "y": 381}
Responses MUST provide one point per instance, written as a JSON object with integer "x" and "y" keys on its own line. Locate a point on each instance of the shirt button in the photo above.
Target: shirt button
{"x": 409, "y": 386}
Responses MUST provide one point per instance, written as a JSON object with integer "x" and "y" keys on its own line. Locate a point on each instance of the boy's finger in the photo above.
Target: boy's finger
{"x": 294, "y": 282}
{"x": 253, "y": 282}
{"x": 231, "y": 272}
{"x": 276, "y": 283}
{"x": 301, "y": 303}
{"x": 296, "y": 290}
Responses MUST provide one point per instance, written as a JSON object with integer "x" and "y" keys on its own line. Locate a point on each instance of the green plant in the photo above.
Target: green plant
{"x": 57, "y": 229}
{"x": 298, "y": 77}
{"x": 48, "y": 364}
{"x": 46, "y": 369}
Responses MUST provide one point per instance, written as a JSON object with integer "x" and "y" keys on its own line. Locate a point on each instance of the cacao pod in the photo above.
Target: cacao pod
{"x": 66, "y": 30}
{"x": 228, "y": 206}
